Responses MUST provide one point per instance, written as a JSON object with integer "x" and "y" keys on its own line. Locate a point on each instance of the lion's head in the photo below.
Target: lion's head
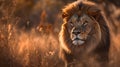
{"x": 82, "y": 29}
{"x": 83, "y": 26}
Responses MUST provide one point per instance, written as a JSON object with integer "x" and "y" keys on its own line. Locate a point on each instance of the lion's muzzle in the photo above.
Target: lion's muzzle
{"x": 77, "y": 38}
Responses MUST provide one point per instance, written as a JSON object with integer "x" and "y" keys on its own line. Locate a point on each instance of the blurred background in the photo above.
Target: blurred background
{"x": 29, "y": 32}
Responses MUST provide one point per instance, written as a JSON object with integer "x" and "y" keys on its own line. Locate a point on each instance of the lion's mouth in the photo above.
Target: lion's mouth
{"x": 78, "y": 41}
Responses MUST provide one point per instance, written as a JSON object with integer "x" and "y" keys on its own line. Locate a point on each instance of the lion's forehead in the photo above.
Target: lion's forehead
{"x": 82, "y": 18}
{"x": 85, "y": 17}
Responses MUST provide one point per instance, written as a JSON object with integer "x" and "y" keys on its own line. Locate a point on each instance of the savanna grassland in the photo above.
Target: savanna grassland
{"x": 29, "y": 32}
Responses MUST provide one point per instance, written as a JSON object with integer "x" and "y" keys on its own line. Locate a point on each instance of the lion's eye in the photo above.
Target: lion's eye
{"x": 85, "y": 23}
{"x": 71, "y": 23}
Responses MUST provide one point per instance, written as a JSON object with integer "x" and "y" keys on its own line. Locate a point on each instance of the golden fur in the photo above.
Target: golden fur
{"x": 98, "y": 41}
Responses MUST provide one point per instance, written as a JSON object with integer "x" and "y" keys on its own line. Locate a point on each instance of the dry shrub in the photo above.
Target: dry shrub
{"x": 34, "y": 49}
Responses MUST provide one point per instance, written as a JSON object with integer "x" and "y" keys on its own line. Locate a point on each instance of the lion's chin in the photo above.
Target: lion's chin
{"x": 78, "y": 42}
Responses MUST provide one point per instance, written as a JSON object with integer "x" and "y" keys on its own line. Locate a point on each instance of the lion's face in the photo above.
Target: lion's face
{"x": 79, "y": 28}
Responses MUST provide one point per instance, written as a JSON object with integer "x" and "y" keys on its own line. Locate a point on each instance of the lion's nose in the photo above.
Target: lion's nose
{"x": 76, "y": 32}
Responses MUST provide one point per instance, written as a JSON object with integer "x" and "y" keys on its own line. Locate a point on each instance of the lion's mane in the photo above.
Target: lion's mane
{"x": 90, "y": 9}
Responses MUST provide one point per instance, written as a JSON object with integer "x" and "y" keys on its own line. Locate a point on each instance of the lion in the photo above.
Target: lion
{"x": 83, "y": 33}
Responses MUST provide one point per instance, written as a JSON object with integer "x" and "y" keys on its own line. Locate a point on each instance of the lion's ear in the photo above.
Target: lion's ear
{"x": 94, "y": 11}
